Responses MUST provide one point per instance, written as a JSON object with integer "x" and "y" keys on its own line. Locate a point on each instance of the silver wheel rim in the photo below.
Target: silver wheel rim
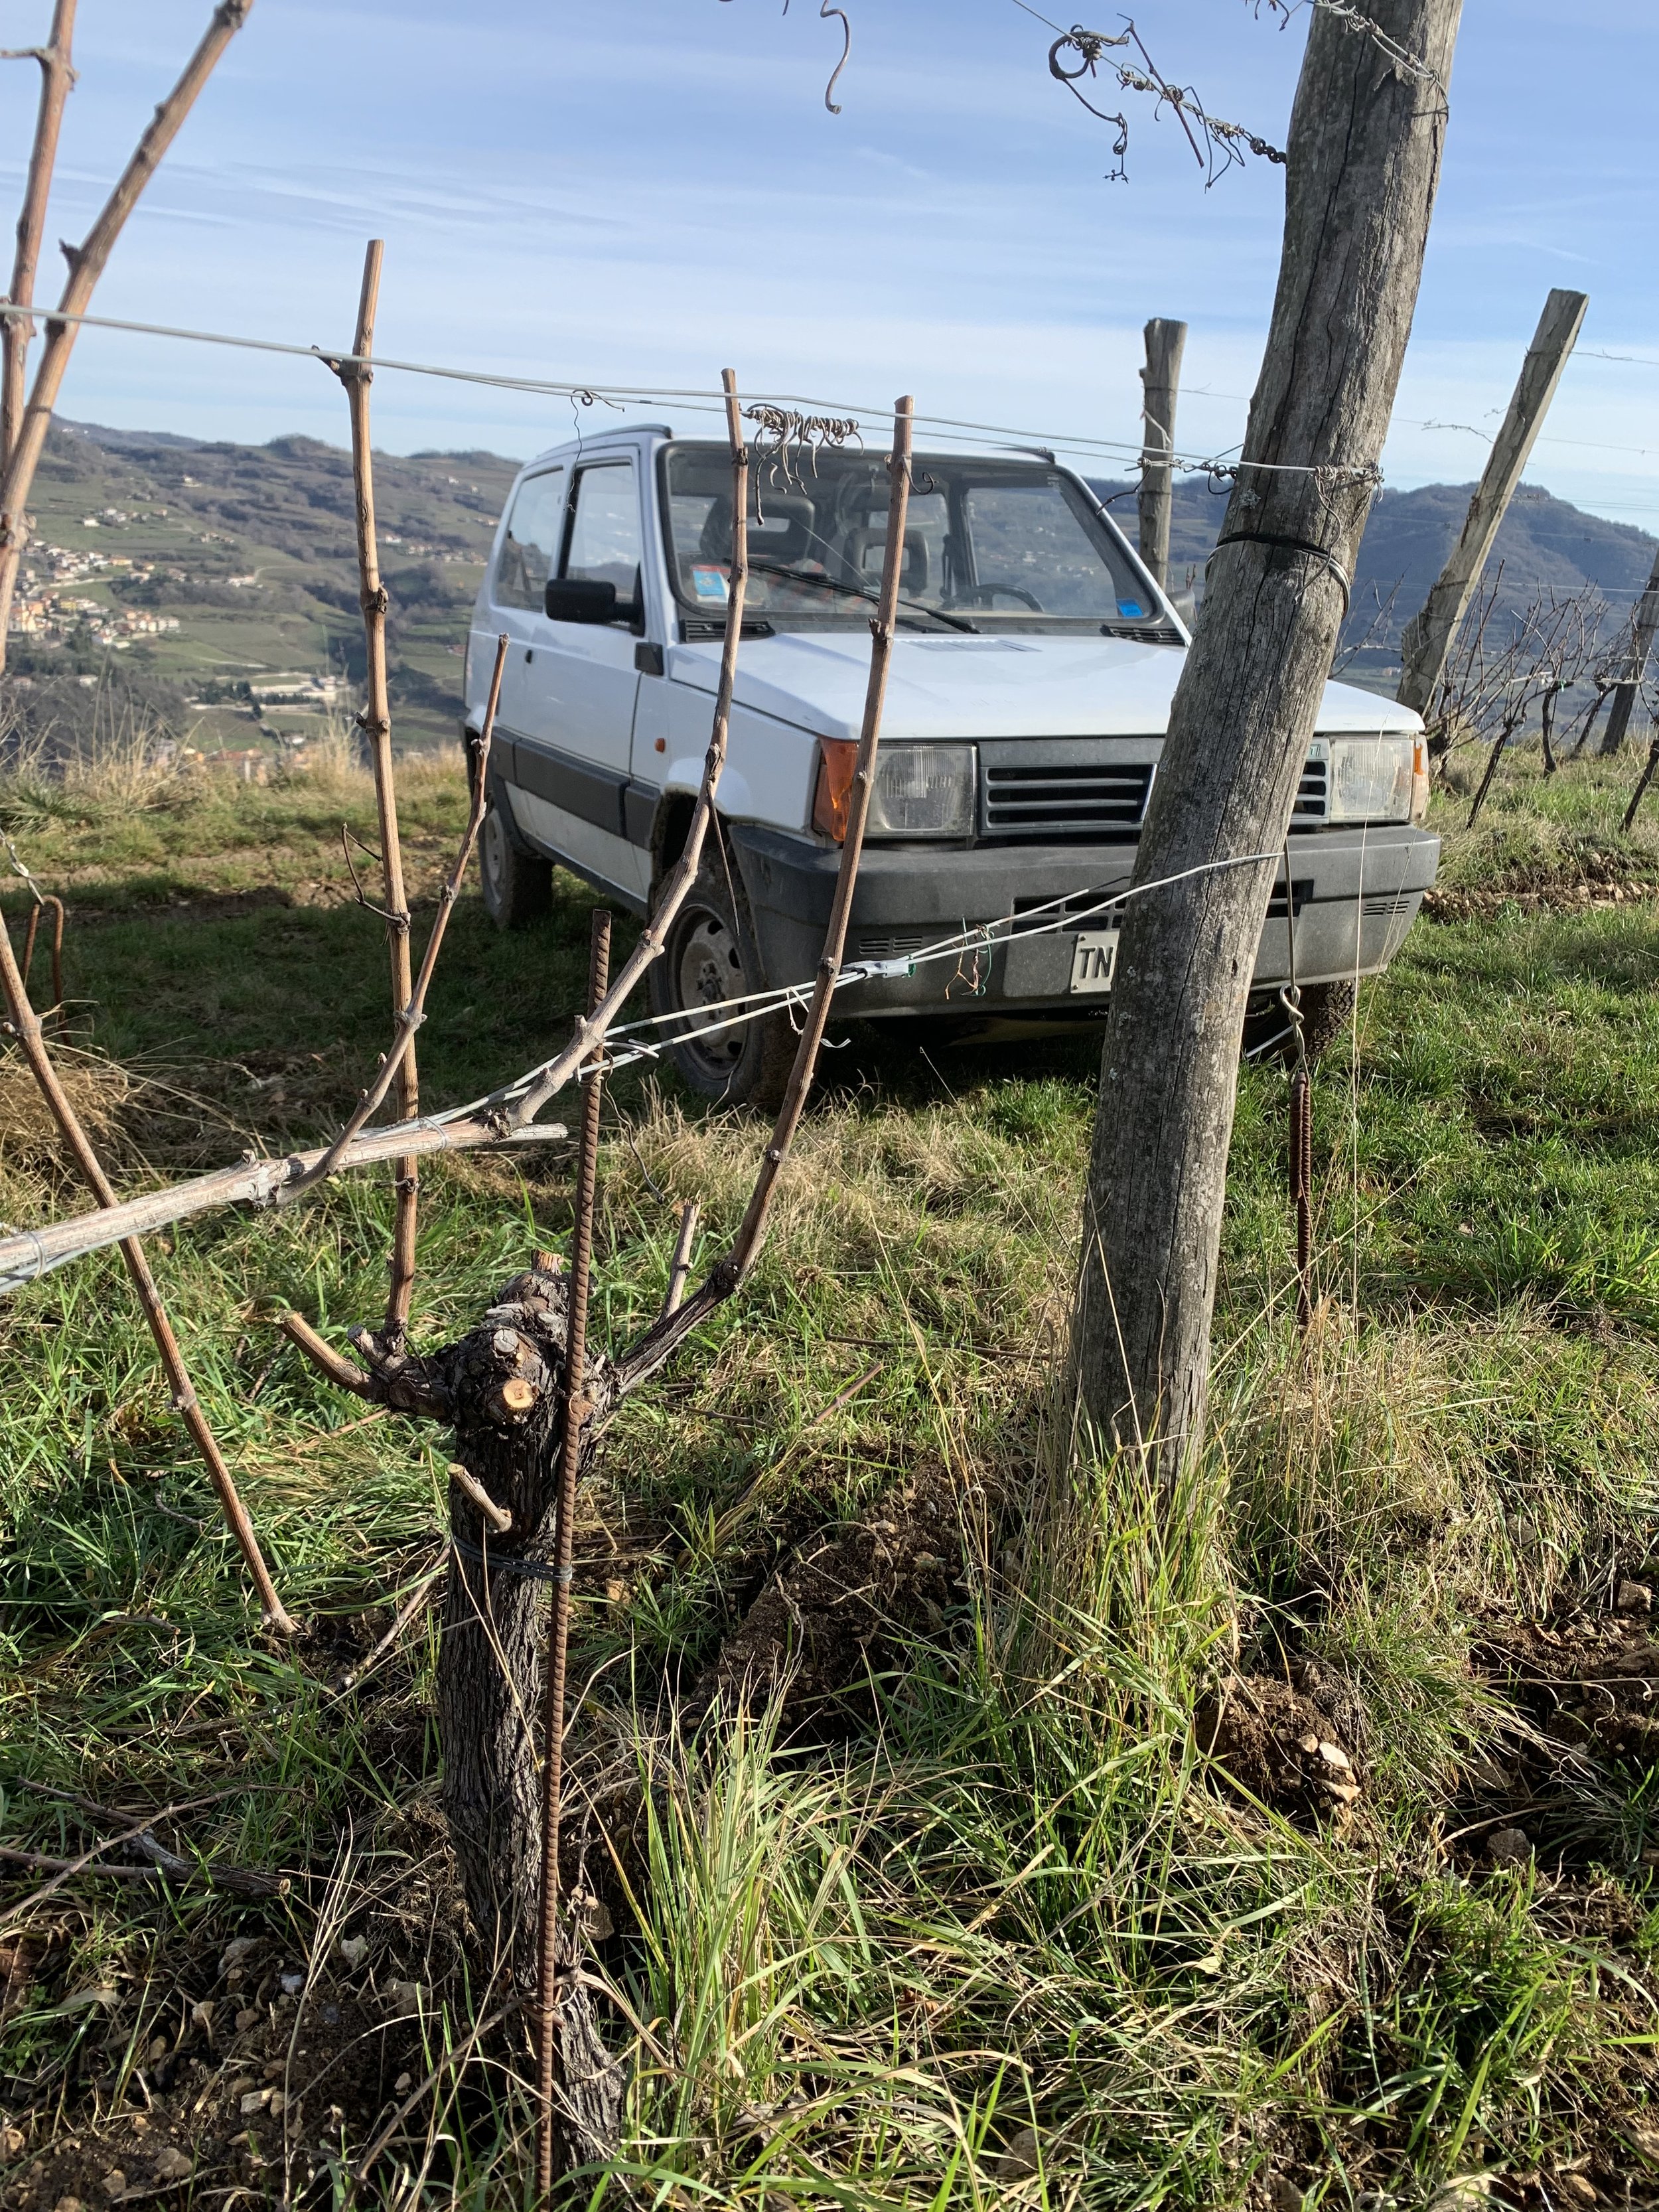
{"x": 492, "y": 858}
{"x": 708, "y": 969}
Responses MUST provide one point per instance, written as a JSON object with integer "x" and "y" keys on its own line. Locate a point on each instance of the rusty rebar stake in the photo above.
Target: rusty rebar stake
{"x": 558, "y": 1630}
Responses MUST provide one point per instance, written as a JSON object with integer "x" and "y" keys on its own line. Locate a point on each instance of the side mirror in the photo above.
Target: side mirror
{"x": 580, "y": 599}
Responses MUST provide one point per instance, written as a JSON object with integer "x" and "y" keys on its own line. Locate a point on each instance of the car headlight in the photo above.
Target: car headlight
{"x": 1371, "y": 779}
{"x": 919, "y": 791}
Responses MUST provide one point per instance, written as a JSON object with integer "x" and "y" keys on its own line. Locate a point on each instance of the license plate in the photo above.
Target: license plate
{"x": 1094, "y": 959}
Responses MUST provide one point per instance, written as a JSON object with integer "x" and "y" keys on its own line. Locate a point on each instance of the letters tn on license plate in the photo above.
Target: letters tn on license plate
{"x": 1094, "y": 959}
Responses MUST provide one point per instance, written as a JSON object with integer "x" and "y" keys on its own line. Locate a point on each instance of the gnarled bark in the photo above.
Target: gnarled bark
{"x": 1364, "y": 160}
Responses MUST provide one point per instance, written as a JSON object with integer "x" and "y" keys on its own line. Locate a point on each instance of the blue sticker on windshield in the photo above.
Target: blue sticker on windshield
{"x": 709, "y": 584}
{"x": 1131, "y": 610}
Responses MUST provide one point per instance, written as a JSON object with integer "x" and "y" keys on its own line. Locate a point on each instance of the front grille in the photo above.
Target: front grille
{"x": 898, "y": 944}
{"x": 1313, "y": 793}
{"x": 1075, "y": 799}
{"x": 1388, "y": 905}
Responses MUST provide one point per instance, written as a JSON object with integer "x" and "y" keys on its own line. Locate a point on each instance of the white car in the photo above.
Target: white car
{"x": 1028, "y": 694}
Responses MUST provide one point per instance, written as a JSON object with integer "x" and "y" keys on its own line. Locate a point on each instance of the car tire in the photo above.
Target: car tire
{"x": 1327, "y": 1011}
{"x": 518, "y": 883}
{"x": 710, "y": 957}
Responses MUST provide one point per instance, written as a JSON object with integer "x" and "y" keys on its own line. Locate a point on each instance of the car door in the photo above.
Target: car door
{"x": 578, "y": 725}
{"x": 529, "y": 555}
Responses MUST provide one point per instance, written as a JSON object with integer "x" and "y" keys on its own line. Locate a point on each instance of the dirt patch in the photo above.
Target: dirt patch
{"x": 1482, "y": 903}
{"x": 1589, "y": 1680}
{"x": 1292, "y": 1744}
{"x": 846, "y": 1595}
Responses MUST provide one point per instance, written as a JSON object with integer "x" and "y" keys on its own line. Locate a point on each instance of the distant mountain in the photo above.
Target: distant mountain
{"x": 1543, "y": 545}
{"x": 210, "y": 568}
{"x": 244, "y": 555}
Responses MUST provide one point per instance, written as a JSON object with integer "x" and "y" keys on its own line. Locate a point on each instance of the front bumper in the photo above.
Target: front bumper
{"x": 1356, "y": 893}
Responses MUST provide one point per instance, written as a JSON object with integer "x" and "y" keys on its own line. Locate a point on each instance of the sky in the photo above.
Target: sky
{"x": 644, "y": 191}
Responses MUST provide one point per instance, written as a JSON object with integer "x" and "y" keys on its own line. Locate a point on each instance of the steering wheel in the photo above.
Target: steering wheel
{"x": 980, "y": 595}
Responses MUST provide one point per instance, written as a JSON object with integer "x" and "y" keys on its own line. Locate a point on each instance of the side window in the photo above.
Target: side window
{"x": 605, "y": 545}
{"x": 532, "y": 544}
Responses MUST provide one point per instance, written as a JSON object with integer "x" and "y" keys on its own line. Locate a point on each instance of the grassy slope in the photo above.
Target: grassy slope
{"x": 1005, "y": 1889}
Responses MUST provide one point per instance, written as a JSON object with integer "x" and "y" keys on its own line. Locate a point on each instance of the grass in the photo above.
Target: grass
{"x": 1005, "y": 1921}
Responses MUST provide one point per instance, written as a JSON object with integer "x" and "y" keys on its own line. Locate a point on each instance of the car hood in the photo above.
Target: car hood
{"x": 982, "y": 686}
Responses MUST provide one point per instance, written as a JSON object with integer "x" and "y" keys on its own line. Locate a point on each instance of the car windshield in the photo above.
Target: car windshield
{"x": 989, "y": 545}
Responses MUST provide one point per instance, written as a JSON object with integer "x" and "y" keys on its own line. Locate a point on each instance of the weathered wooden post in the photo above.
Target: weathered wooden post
{"x": 1429, "y": 635}
{"x": 1161, "y": 383}
{"x": 57, "y": 77}
{"x": 1364, "y": 150}
{"x": 1624, "y": 699}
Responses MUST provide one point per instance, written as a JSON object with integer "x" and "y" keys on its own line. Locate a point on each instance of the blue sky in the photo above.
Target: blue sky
{"x": 646, "y": 190}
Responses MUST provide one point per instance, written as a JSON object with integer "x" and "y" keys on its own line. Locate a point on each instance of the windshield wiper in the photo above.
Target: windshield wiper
{"x": 857, "y": 591}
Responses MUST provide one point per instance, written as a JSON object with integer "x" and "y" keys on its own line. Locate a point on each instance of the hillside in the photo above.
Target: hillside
{"x": 1544, "y": 544}
{"x": 215, "y": 569}
{"x": 217, "y": 583}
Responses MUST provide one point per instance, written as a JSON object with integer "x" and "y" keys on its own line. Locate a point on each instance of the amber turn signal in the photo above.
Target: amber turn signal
{"x": 837, "y": 759}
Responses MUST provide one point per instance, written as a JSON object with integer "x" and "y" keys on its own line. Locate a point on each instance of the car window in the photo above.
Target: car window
{"x": 990, "y": 543}
{"x": 1030, "y": 552}
{"x": 532, "y": 543}
{"x": 605, "y": 545}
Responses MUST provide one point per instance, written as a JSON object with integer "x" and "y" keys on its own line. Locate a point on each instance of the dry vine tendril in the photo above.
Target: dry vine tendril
{"x": 1221, "y": 140}
{"x": 791, "y": 433}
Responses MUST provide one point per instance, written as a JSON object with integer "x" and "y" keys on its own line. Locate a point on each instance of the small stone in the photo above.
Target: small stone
{"x": 292, "y": 1984}
{"x": 1632, "y": 1597}
{"x": 67, "y": 2204}
{"x": 172, "y": 2164}
{"x": 330, "y": 2015}
{"x": 354, "y": 1949}
{"x": 158, "y": 2048}
{"x": 1643, "y": 2139}
{"x": 203, "y": 2014}
{"x": 277, "y": 2100}
{"x": 11, "y": 2143}
{"x": 1284, "y": 2195}
{"x": 1021, "y": 2159}
{"x": 255, "y": 2102}
{"x": 139, "y": 2123}
{"x": 1310, "y": 1743}
{"x": 1509, "y": 1847}
{"x": 1578, "y": 2188}
{"x": 235, "y": 1951}
{"x": 404, "y": 2083}
{"x": 1334, "y": 1755}
{"x": 1346, "y": 1793}
{"x": 405, "y": 1997}
{"x": 114, "y": 2183}
{"x": 248, "y": 2018}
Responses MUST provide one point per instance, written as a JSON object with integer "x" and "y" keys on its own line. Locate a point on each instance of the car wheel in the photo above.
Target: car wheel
{"x": 709, "y": 958}
{"x": 518, "y": 884}
{"x": 1327, "y": 1011}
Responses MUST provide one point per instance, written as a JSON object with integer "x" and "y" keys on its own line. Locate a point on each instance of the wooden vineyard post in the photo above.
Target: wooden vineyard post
{"x": 1160, "y": 382}
{"x": 57, "y": 77}
{"x": 1364, "y": 154}
{"x": 86, "y": 265}
{"x": 375, "y": 722}
{"x": 1428, "y": 636}
{"x": 1643, "y": 628}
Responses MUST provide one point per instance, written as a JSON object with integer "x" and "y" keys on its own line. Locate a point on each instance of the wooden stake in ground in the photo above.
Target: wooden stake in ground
{"x": 1364, "y": 160}
{"x": 1429, "y": 635}
{"x": 85, "y": 263}
{"x": 1643, "y": 631}
{"x": 26, "y": 1023}
{"x": 575, "y": 1411}
{"x": 1161, "y": 381}
{"x": 375, "y": 722}
{"x": 56, "y": 77}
